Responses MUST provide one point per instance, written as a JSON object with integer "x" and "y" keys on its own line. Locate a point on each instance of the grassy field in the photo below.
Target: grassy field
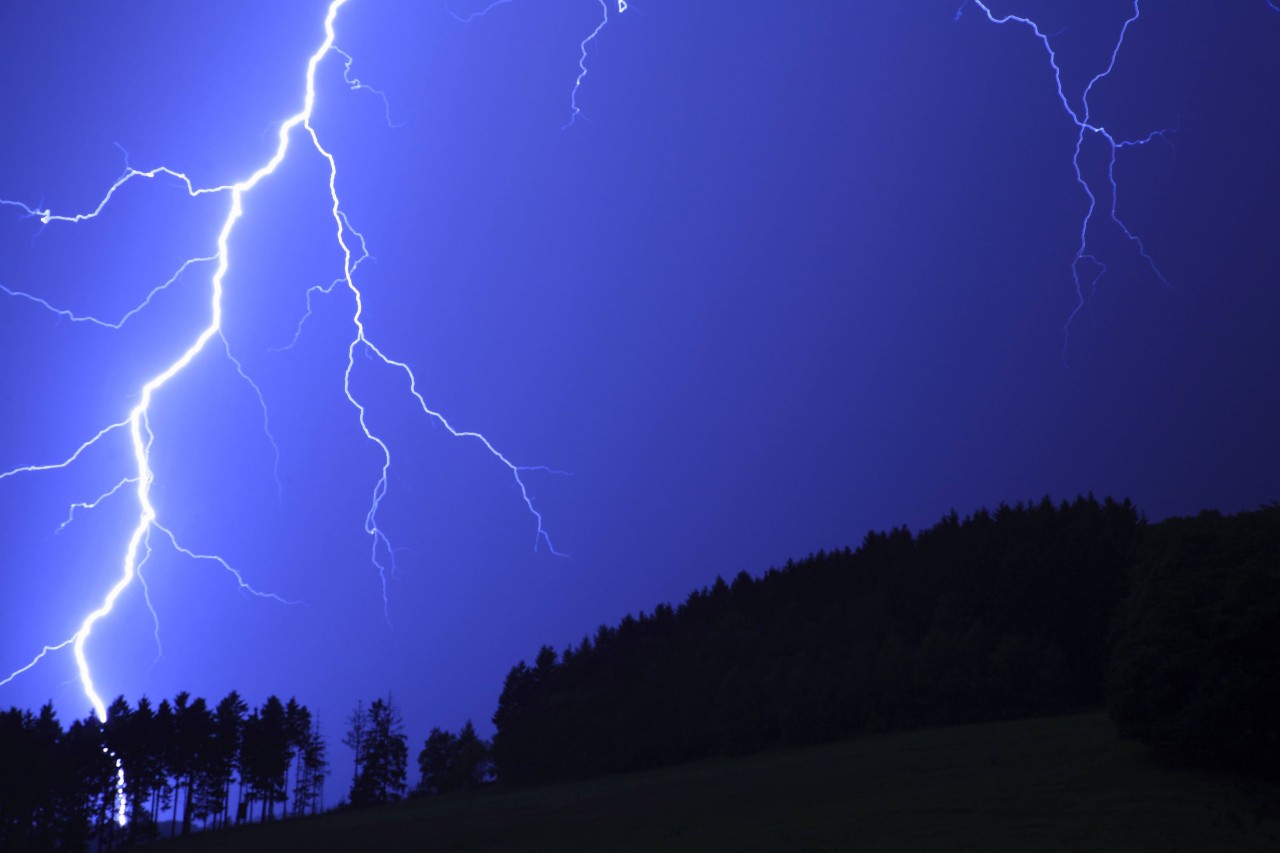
{"x": 1064, "y": 783}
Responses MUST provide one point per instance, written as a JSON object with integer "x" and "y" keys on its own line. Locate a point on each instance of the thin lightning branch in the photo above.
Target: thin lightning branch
{"x": 240, "y": 581}
{"x": 53, "y": 466}
{"x": 355, "y": 85}
{"x": 486, "y": 10}
{"x": 130, "y": 174}
{"x": 380, "y": 543}
{"x": 515, "y": 470}
{"x": 1085, "y": 126}
{"x": 146, "y": 597}
{"x": 326, "y": 289}
{"x": 574, "y": 110}
{"x": 106, "y": 324}
{"x": 138, "y": 549}
{"x": 35, "y": 660}
{"x": 266, "y": 415}
{"x": 93, "y": 504}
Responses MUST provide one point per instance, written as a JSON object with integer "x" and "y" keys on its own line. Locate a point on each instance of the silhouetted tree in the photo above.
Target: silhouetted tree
{"x": 222, "y": 758}
{"x": 145, "y": 769}
{"x": 385, "y": 754}
{"x": 451, "y": 763}
{"x": 193, "y": 728}
{"x": 266, "y": 754}
{"x": 435, "y": 762}
{"x": 357, "y": 727}
{"x": 313, "y": 767}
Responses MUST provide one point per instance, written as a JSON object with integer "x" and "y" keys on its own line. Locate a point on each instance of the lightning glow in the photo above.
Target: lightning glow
{"x": 136, "y": 425}
{"x": 1087, "y": 266}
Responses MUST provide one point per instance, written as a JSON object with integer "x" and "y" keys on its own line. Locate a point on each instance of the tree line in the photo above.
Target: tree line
{"x": 1031, "y": 609}
{"x": 997, "y": 615}
{"x": 188, "y": 765}
{"x": 181, "y": 756}
{"x": 447, "y": 762}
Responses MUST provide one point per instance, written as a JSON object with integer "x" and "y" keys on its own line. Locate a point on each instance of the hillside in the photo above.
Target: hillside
{"x": 999, "y": 615}
{"x": 1064, "y": 783}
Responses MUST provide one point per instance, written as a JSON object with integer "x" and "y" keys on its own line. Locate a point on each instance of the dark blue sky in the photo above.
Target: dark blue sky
{"x": 799, "y": 270}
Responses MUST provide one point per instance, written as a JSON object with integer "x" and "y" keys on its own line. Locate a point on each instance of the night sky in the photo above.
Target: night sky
{"x": 798, "y": 270}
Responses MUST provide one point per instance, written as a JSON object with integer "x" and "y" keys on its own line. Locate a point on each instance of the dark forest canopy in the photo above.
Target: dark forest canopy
{"x": 58, "y": 789}
{"x": 998, "y": 615}
{"x": 1197, "y": 643}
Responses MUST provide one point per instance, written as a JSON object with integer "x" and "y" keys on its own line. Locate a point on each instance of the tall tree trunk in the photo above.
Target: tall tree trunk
{"x": 186, "y": 807}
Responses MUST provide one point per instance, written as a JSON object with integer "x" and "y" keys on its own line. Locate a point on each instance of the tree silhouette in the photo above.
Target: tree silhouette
{"x": 357, "y": 726}
{"x": 312, "y": 769}
{"x": 193, "y": 730}
{"x": 222, "y": 759}
{"x": 451, "y": 763}
{"x": 384, "y": 754}
{"x": 266, "y": 754}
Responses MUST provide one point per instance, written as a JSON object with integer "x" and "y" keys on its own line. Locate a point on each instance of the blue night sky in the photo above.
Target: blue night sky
{"x": 799, "y": 270}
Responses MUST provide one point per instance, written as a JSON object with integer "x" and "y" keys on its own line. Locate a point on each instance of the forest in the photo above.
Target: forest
{"x": 62, "y": 789}
{"x": 1032, "y": 609}
{"x": 1028, "y": 610}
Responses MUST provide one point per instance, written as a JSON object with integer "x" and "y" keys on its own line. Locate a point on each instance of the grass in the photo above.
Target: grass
{"x": 1062, "y": 783}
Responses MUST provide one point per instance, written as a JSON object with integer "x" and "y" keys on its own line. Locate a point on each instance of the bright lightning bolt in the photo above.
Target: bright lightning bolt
{"x": 1088, "y": 128}
{"x": 137, "y": 424}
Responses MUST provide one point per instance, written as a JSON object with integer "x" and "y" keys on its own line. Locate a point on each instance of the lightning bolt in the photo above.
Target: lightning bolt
{"x": 136, "y": 426}
{"x": 1085, "y": 265}
{"x": 574, "y": 109}
{"x": 466, "y": 19}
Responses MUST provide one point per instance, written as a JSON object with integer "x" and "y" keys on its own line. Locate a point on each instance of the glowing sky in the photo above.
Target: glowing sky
{"x": 797, "y": 270}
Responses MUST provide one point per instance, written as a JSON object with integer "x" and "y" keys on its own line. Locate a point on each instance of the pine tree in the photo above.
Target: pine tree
{"x": 382, "y": 770}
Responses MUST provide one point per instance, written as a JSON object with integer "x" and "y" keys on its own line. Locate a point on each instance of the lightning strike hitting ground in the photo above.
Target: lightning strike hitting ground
{"x": 1087, "y": 127}
{"x": 137, "y": 423}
